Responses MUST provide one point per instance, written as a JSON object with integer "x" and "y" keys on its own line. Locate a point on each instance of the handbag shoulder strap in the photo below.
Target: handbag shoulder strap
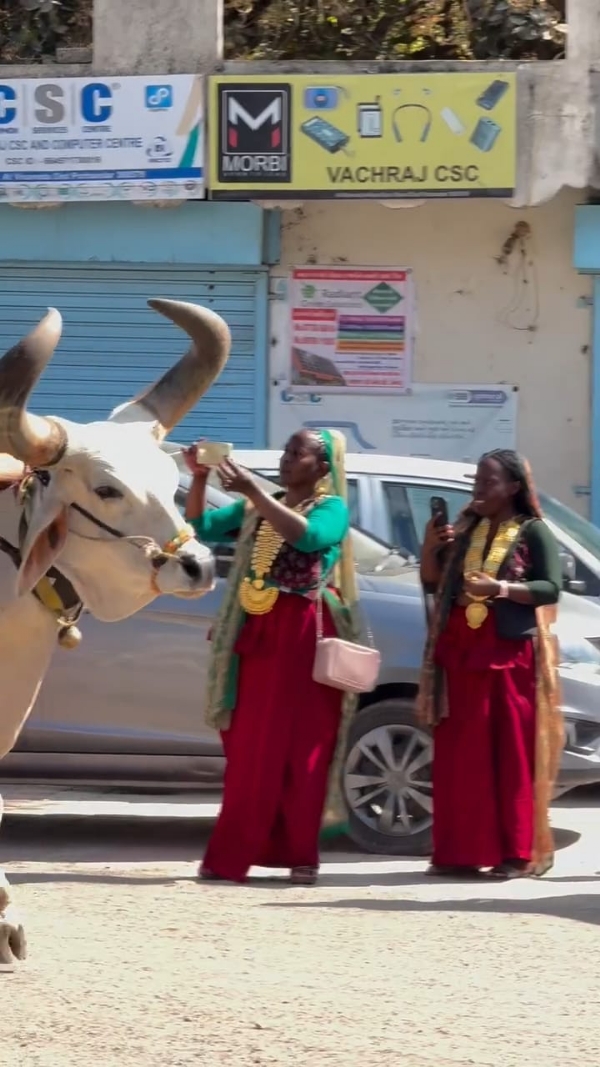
{"x": 364, "y": 619}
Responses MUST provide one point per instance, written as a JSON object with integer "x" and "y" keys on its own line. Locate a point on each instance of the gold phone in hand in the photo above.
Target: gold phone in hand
{"x": 212, "y": 453}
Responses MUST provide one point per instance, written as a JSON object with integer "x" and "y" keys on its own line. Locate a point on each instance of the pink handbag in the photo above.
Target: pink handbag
{"x": 342, "y": 664}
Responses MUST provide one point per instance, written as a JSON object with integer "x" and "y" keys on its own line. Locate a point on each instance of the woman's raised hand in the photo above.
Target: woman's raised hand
{"x": 437, "y": 537}
{"x": 195, "y": 468}
{"x": 235, "y": 479}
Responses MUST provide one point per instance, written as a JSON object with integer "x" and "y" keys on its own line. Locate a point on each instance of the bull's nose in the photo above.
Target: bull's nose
{"x": 201, "y": 572}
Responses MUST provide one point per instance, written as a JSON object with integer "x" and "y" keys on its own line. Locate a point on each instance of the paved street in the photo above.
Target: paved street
{"x": 133, "y": 962}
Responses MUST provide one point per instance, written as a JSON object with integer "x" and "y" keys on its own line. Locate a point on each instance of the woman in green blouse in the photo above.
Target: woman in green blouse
{"x": 279, "y": 727}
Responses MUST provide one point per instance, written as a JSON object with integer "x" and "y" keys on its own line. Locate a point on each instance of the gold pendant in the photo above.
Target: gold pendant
{"x": 476, "y": 613}
{"x": 255, "y": 598}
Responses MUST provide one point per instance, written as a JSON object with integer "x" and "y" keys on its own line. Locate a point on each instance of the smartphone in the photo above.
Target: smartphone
{"x": 439, "y": 511}
{"x": 324, "y": 134}
{"x": 492, "y": 95}
{"x": 211, "y": 453}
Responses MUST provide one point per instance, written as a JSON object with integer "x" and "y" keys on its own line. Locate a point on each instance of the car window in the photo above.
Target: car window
{"x": 582, "y": 531}
{"x": 419, "y": 497}
{"x": 353, "y": 501}
{"x": 401, "y": 530}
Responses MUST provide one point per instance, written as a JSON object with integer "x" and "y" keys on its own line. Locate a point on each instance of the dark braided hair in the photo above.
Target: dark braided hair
{"x": 518, "y": 470}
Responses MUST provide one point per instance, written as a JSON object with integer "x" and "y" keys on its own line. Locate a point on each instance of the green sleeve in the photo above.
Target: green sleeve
{"x": 327, "y": 525}
{"x": 546, "y": 572}
{"x": 219, "y": 524}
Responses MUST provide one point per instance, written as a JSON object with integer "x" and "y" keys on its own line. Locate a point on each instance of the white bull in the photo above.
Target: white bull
{"x": 100, "y": 510}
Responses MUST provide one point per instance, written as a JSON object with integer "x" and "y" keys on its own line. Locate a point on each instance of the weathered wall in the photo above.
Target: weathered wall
{"x": 527, "y": 323}
{"x": 143, "y": 37}
{"x": 166, "y": 36}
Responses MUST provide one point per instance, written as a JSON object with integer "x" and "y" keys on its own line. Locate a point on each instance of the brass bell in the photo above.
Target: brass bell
{"x": 69, "y": 637}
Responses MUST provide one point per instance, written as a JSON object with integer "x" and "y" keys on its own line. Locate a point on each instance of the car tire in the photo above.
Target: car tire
{"x": 386, "y": 745}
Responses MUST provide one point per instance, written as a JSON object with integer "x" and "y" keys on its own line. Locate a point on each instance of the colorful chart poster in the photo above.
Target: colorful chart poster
{"x": 350, "y": 330}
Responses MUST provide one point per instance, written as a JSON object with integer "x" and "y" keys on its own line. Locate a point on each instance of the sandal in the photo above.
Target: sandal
{"x": 304, "y": 875}
{"x": 206, "y": 875}
{"x": 439, "y": 870}
{"x": 511, "y": 869}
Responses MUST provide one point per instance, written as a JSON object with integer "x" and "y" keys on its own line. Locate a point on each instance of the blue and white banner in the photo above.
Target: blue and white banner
{"x": 456, "y": 422}
{"x": 139, "y": 138}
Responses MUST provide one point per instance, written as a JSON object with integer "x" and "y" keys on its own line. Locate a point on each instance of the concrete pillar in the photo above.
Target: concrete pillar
{"x": 583, "y": 34}
{"x": 157, "y": 36}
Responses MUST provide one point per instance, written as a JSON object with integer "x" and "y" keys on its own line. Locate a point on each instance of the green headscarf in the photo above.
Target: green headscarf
{"x": 336, "y": 484}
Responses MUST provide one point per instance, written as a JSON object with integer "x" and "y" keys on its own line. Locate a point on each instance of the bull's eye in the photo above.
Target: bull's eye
{"x": 108, "y": 492}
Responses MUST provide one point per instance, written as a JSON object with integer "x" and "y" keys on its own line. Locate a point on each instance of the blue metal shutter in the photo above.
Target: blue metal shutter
{"x": 113, "y": 345}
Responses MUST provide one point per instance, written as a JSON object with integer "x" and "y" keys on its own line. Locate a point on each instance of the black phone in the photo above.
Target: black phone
{"x": 439, "y": 511}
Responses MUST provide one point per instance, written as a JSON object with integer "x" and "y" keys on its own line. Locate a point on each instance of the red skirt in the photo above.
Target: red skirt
{"x": 279, "y": 747}
{"x": 484, "y": 752}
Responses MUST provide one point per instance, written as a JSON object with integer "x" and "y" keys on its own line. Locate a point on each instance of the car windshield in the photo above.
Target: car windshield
{"x": 371, "y": 555}
{"x": 573, "y": 524}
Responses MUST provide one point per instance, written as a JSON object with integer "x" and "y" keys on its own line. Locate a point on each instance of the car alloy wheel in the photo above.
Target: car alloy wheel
{"x": 387, "y": 780}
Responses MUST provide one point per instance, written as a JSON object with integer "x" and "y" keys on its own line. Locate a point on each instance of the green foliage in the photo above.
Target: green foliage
{"x": 393, "y": 29}
{"x": 30, "y": 29}
{"x": 323, "y": 29}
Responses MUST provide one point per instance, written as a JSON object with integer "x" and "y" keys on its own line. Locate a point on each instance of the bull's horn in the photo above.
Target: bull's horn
{"x": 183, "y": 385}
{"x": 38, "y": 442}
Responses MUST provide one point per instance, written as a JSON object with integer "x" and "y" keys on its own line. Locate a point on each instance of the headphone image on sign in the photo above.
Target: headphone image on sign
{"x": 417, "y": 107}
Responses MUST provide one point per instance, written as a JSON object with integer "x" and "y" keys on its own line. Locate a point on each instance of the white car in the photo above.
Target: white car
{"x": 389, "y": 496}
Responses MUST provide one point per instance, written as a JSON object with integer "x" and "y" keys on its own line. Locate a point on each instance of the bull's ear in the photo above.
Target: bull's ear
{"x": 44, "y": 542}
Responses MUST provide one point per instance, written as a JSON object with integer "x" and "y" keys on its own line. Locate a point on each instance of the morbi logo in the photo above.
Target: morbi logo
{"x": 254, "y": 133}
{"x": 238, "y": 117}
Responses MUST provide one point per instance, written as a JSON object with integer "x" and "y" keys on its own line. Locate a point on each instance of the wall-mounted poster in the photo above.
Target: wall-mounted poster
{"x": 379, "y": 136}
{"x": 351, "y": 330}
{"x": 452, "y": 421}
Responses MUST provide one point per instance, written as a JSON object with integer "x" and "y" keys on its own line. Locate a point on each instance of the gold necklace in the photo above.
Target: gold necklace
{"x": 506, "y": 535}
{"x": 255, "y": 596}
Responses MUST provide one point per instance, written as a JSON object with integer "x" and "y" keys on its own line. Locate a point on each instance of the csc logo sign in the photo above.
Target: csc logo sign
{"x": 49, "y": 107}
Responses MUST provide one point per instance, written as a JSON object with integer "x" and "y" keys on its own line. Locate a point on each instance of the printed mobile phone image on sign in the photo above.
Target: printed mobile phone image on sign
{"x": 493, "y": 94}
{"x": 324, "y": 134}
{"x": 254, "y": 133}
{"x": 415, "y": 135}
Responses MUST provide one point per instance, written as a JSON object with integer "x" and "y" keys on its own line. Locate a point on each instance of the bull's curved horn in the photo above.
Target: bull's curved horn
{"x": 169, "y": 399}
{"x": 38, "y": 442}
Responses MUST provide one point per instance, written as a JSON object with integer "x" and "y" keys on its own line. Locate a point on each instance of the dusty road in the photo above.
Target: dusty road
{"x": 134, "y": 963}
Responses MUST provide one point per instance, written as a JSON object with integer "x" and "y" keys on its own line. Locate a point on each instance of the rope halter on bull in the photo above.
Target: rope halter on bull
{"x": 55, "y": 591}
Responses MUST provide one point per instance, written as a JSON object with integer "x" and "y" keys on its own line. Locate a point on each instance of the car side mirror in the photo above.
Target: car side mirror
{"x": 223, "y": 556}
{"x": 567, "y": 564}
{"x": 575, "y": 586}
{"x": 569, "y": 568}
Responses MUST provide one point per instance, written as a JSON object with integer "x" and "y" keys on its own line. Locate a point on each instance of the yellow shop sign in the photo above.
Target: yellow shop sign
{"x": 364, "y": 135}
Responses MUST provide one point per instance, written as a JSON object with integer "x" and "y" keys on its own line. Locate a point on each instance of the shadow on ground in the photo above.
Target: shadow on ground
{"x": 62, "y": 841}
{"x": 582, "y": 907}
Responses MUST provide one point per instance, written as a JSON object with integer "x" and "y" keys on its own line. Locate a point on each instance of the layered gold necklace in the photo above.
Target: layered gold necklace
{"x": 505, "y": 537}
{"x": 256, "y": 597}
